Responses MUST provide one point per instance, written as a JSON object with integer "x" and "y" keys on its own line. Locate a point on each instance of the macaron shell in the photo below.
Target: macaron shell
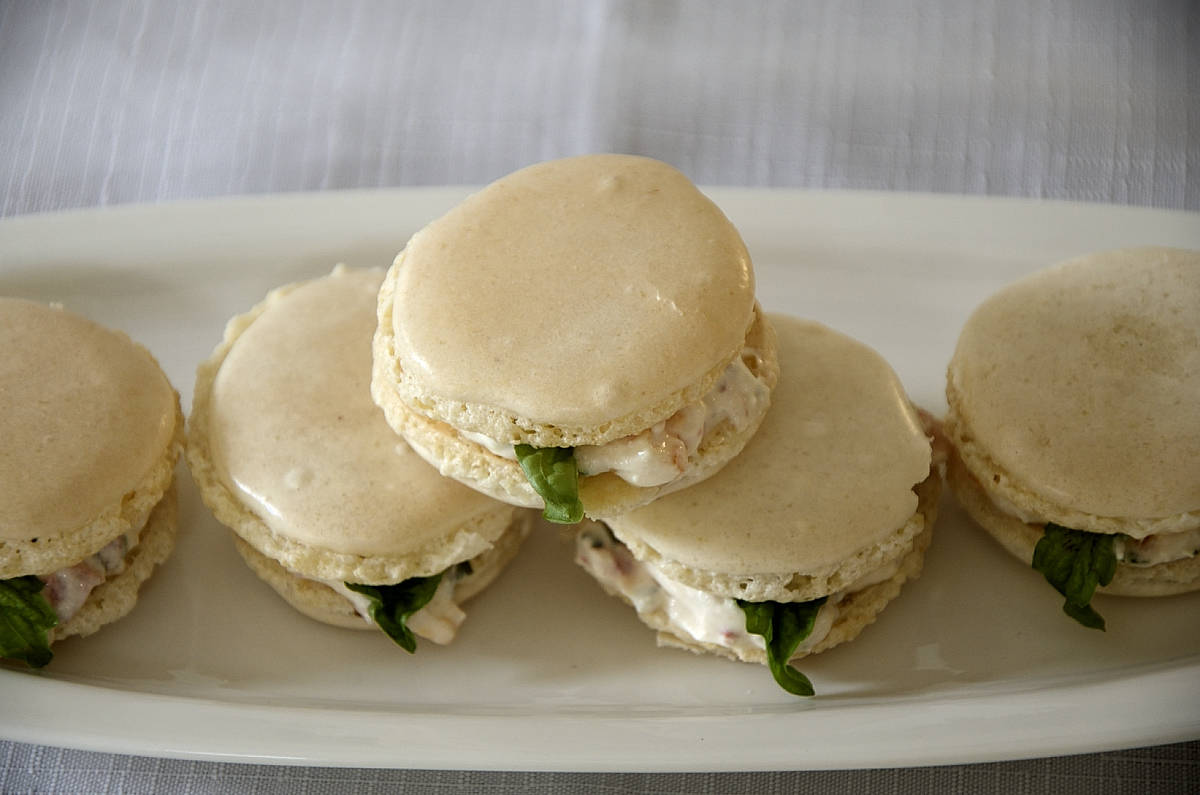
{"x": 573, "y": 292}
{"x": 1082, "y": 383}
{"x": 87, "y": 415}
{"x": 290, "y": 451}
{"x": 830, "y": 472}
{"x": 312, "y": 598}
{"x": 320, "y": 602}
{"x": 1020, "y": 538}
{"x": 856, "y": 611}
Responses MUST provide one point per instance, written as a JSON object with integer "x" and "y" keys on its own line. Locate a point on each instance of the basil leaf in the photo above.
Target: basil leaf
{"x": 25, "y": 616}
{"x": 391, "y": 605}
{"x": 553, "y": 474}
{"x": 1075, "y": 562}
{"x": 784, "y": 626}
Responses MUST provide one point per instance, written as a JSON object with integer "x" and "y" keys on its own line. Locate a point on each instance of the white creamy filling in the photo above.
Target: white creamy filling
{"x": 705, "y": 617}
{"x": 502, "y": 449}
{"x": 1157, "y": 548}
{"x": 1148, "y": 551}
{"x": 68, "y": 588}
{"x": 438, "y": 621}
{"x": 660, "y": 453}
{"x": 361, "y": 603}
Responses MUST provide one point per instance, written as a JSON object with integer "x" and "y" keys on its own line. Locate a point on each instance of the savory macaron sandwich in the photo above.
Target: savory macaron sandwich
{"x": 1074, "y": 400}
{"x": 801, "y": 540}
{"x": 326, "y": 503}
{"x": 579, "y": 336}
{"x": 91, "y": 431}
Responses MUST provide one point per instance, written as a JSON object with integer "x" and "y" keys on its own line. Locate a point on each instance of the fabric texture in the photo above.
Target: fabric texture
{"x": 146, "y": 101}
{"x": 104, "y": 103}
{"x": 1164, "y": 770}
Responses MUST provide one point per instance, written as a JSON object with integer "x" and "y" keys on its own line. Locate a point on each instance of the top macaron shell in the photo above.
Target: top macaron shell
{"x": 1081, "y": 384}
{"x": 89, "y": 427}
{"x": 830, "y": 473}
{"x": 291, "y": 452}
{"x": 586, "y": 298}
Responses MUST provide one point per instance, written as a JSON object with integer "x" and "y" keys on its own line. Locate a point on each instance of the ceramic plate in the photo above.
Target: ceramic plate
{"x": 974, "y": 661}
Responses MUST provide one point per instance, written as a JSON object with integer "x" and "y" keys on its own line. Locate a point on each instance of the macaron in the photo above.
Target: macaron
{"x": 327, "y": 505}
{"x": 1074, "y": 413}
{"x": 92, "y": 430}
{"x": 799, "y": 542}
{"x": 580, "y": 336}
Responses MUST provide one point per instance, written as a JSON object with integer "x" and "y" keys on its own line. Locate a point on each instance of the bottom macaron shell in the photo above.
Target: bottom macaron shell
{"x": 321, "y": 603}
{"x": 856, "y": 610}
{"x": 117, "y": 596}
{"x": 1020, "y": 538}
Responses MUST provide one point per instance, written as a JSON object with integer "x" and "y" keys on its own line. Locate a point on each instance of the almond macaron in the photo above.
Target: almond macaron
{"x": 799, "y": 542}
{"x": 1074, "y": 413}
{"x": 326, "y": 503}
{"x": 92, "y": 430}
{"x": 581, "y": 336}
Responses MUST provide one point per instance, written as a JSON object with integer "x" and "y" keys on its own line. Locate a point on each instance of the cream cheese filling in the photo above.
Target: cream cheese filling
{"x": 1157, "y": 548}
{"x": 438, "y": 621}
{"x": 69, "y": 588}
{"x": 704, "y": 617}
{"x": 660, "y": 454}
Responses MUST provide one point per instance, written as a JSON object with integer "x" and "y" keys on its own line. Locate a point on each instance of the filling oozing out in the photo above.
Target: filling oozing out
{"x": 660, "y": 453}
{"x": 1157, "y": 548}
{"x": 705, "y": 617}
{"x": 437, "y": 621}
{"x": 68, "y": 588}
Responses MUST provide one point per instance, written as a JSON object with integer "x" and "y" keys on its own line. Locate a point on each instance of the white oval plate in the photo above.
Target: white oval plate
{"x": 973, "y": 662}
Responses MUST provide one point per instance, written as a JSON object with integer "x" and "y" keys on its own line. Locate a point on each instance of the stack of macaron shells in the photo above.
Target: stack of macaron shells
{"x": 339, "y": 514}
{"x": 92, "y": 429}
{"x": 583, "y": 336}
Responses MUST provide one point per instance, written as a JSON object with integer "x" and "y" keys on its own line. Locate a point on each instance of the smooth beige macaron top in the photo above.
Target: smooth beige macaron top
{"x": 293, "y": 433}
{"x": 829, "y": 474}
{"x": 85, "y": 415}
{"x": 1082, "y": 383}
{"x": 572, "y": 293}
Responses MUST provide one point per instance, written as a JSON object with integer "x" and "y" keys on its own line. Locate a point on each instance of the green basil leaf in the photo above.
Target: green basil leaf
{"x": 553, "y": 474}
{"x": 392, "y": 605}
{"x": 1076, "y": 562}
{"x": 783, "y": 626}
{"x": 25, "y": 617}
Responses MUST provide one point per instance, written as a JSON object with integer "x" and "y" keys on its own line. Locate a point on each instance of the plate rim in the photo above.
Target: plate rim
{"x": 24, "y": 718}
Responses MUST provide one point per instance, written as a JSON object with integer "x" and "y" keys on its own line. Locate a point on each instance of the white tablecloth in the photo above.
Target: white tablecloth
{"x": 144, "y": 101}
{"x": 112, "y": 102}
